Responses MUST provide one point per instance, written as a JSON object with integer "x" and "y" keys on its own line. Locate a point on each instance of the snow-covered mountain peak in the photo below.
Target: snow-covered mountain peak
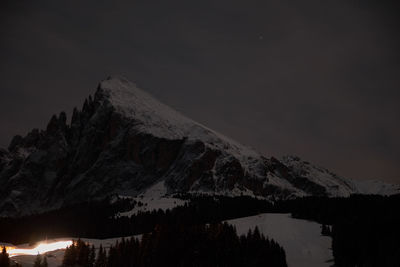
{"x": 134, "y": 103}
{"x": 124, "y": 142}
{"x": 153, "y": 117}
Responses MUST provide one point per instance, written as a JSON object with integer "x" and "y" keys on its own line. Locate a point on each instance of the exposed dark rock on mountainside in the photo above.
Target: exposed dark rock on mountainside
{"x": 123, "y": 141}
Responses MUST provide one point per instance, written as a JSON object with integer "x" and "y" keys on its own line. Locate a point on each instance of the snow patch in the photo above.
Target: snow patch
{"x": 154, "y": 198}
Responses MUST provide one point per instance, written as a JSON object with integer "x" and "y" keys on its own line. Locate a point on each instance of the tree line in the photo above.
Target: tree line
{"x": 172, "y": 245}
{"x": 98, "y": 220}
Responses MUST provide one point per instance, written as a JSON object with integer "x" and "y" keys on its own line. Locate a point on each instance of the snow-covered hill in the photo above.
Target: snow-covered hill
{"x": 302, "y": 240}
{"x": 124, "y": 142}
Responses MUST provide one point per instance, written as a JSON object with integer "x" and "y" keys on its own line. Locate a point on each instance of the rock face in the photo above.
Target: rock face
{"x": 123, "y": 141}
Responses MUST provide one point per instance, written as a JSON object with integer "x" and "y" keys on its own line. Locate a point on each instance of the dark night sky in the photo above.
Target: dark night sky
{"x": 318, "y": 79}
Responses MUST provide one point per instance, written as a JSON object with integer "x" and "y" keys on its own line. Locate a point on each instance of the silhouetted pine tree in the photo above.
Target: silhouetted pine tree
{"x": 44, "y": 262}
{"x": 4, "y": 258}
{"x": 92, "y": 256}
{"x": 101, "y": 260}
{"x": 83, "y": 251}
{"x": 38, "y": 261}
{"x": 325, "y": 230}
{"x": 69, "y": 256}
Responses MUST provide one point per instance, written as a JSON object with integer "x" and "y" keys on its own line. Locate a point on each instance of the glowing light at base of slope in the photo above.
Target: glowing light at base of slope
{"x": 40, "y": 249}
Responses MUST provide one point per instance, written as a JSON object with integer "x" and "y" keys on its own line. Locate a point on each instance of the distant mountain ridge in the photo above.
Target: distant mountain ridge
{"x": 123, "y": 141}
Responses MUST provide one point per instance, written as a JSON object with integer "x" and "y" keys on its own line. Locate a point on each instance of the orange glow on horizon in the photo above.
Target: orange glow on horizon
{"x": 39, "y": 249}
{"x": 8, "y": 248}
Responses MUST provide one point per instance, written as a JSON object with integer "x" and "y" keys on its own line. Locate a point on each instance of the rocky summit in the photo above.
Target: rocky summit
{"x": 123, "y": 141}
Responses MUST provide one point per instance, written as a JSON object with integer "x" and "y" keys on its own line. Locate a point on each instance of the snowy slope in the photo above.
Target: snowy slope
{"x": 301, "y": 240}
{"x": 338, "y": 186}
{"x": 376, "y": 187}
{"x": 155, "y": 198}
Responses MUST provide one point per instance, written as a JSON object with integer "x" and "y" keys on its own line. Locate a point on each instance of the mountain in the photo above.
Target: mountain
{"x": 123, "y": 142}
